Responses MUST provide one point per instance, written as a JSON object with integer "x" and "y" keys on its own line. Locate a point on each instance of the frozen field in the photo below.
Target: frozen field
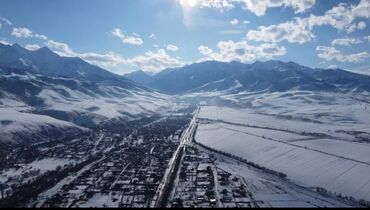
{"x": 339, "y": 163}
{"x": 343, "y": 116}
{"x": 270, "y": 191}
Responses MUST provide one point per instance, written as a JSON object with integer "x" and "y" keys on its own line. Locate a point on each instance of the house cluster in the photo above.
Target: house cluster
{"x": 127, "y": 175}
{"x": 233, "y": 191}
{"x": 77, "y": 149}
{"x": 195, "y": 185}
{"x": 202, "y": 184}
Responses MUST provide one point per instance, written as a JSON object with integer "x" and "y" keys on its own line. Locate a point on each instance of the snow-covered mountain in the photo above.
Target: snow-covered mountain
{"x": 41, "y": 91}
{"x": 272, "y": 76}
{"x": 46, "y": 62}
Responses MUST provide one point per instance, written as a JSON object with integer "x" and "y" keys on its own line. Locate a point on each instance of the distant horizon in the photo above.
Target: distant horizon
{"x": 169, "y": 34}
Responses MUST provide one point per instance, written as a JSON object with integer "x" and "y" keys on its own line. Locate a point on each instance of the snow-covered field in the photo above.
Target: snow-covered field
{"x": 314, "y": 150}
{"x": 337, "y": 115}
{"x": 29, "y": 171}
{"x": 270, "y": 191}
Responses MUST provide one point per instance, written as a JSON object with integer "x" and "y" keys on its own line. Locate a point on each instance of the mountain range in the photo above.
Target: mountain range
{"x": 272, "y": 76}
{"x": 45, "y": 62}
{"x": 42, "y": 92}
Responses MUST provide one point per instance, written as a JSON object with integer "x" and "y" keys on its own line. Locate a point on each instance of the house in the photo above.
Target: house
{"x": 202, "y": 167}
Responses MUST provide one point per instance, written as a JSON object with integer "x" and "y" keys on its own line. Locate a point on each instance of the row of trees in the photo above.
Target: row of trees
{"x": 346, "y": 199}
{"x": 255, "y": 165}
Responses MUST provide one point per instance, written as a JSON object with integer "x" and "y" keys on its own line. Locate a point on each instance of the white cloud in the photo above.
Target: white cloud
{"x": 152, "y": 36}
{"x": 133, "y": 40}
{"x": 332, "y": 67}
{"x": 27, "y": 33}
{"x": 345, "y": 41}
{"x": 22, "y": 32}
{"x": 205, "y": 50}
{"x": 172, "y": 48}
{"x": 39, "y": 36}
{"x": 154, "y": 61}
{"x": 32, "y": 47}
{"x": 234, "y": 22}
{"x": 0, "y": 25}
{"x": 367, "y": 38}
{"x": 4, "y": 42}
{"x": 300, "y": 30}
{"x": 150, "y": 61}
{"x": 218, "y": 4}
{"x": 343, "y": 17}
{"x": 331, "y": 53}
{"x": 60, "y": 48}
{"x": 246, "y": 22}
{"x": 361, "y": 25}
{"x": 292, "y": 31}
{"x": 104, "y": 60}
{"x": 258, "y": 7}
{"x": 362, "y": 70}
{"x": 126, "y": 39}
{"x": 6, "y": 21}
{"x": 242, "y": 51}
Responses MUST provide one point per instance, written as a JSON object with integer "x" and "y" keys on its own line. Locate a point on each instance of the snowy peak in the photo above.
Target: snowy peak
{"x": 44, "y": 51}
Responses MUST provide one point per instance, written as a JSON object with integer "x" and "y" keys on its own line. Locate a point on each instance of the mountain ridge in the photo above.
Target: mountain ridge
{"x": 46, "y": 62}
{"x": 57, "y": 94}
{"x": 273, "y": 75}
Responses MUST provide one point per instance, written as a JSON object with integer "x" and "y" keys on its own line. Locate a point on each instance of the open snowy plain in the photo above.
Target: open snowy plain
{"x": 315, "y": 139}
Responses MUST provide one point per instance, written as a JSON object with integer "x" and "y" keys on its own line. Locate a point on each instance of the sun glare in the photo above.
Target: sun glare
{"x": 189, "y": 3}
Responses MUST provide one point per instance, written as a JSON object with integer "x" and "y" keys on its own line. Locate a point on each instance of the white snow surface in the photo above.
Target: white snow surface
{"x": 74, "y": 103}
{"x": 278, "y": 131}
{"x": 273, "y": 191}
{"x": 43, "y": 165}
{"x": 13, "y": 122}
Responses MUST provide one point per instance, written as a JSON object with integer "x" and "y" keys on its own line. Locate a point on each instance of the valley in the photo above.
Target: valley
{"x": 209, "y": 134}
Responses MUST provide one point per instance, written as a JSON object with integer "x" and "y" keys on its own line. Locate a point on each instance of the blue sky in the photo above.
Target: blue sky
{"x": 127, "y": 35}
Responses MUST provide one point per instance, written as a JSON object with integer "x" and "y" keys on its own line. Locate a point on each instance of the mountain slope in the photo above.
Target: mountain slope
{"x": 41, "y": 92}
{"x": 272, "y": 76}
{"x": 44, "y": 61}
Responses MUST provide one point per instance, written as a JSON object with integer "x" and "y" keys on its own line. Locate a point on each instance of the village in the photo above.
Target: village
{"x": 201, "y": 184}
{"x": 153, "y": 162}
{"x": 118, "y": 167}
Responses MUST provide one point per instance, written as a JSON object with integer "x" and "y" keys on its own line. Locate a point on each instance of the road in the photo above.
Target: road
{"x": 100, "y": 138}
{"x": 115, "y": 182}
{"x": 186, "y": 138}
{"x": 119, "y": 176}
{"x": 215, "y": 180}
